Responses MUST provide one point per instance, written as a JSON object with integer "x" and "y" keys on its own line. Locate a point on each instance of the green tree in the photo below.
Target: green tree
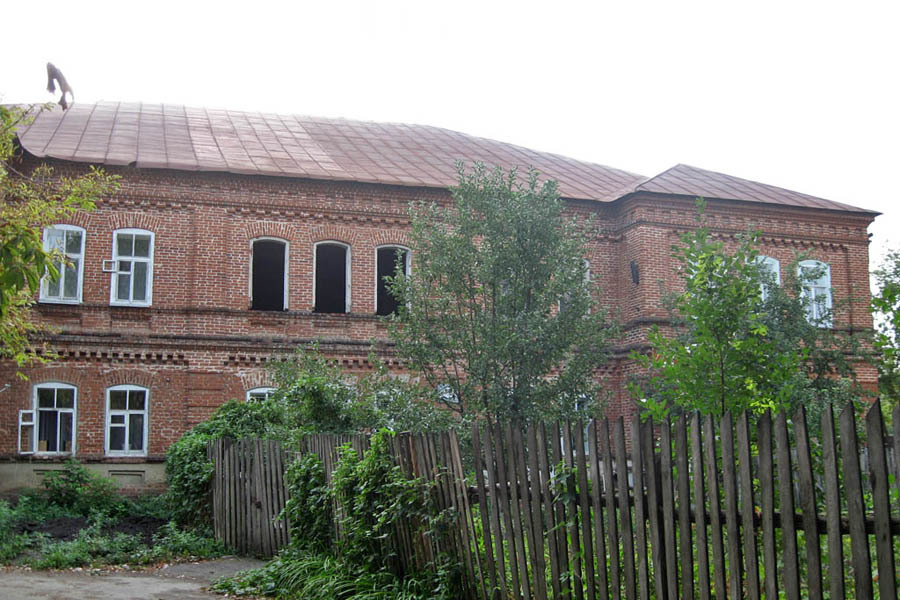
{"x": 886, "y": 303}
{"x": 739, "y": 341}
{"x": 498, "y": 314}
{"x": 28, "y": 203}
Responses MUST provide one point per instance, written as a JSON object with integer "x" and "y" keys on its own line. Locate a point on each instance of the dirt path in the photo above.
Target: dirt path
{"x": 185, "y": 581}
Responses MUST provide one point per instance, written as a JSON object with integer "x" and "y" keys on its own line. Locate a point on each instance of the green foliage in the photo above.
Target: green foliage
{"x": 886, "y": 303}
{"x": 308, "y": 507}
{"x": 734, "y": 347}
{"x": 189, "y": 472}
{"x": 498, "y": 315}
{"x": 28, "y": 203}
{"x": 79, "y": 491}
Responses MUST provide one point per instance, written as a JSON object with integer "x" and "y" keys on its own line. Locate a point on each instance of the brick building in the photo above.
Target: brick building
{"x": 239, "y": 235}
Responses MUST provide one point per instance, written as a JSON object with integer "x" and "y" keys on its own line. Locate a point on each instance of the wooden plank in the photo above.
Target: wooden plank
{"x": 700, "y": 508}
{"x": 559, "y": 507}
{"x": 859, "y": 540}
{"x": 612, "y": 529}
{"x": 808, "y": 506}
{"x": 627, "y": 531}
{"x": 684, "y": 510}
{"x": 767, "y": 501}
{"x": 549, "y": 519}
{"x": 895, "y": 419}
{"x": 525, "y": 498}
{"x": 459, "y": 475}
{"x": 878, "y": 473}
{"x": 536, "y": 512}
{"x": 715, "y": 508}
{"x": 729, "y": 482}
{"x": 516, "y": 511}
{"x": 832, "y": 507}
{"x": 585, "y": 506}
{"x": 791, "y": 570}
{"x": 640, "y": 513}
{"x": 654, "y": 501}
{"x": 748, "y": 508}
{"x": 575, "y": 544}
{"x": 596, "y": 500}
{"x": 484, "y": 495}
{"x": 668, "y": 504}
{"x": 496, "y": 513}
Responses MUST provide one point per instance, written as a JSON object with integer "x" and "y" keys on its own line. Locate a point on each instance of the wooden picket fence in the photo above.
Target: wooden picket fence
{"x": 693, "y": 508}
{"x": 248, "y": 494}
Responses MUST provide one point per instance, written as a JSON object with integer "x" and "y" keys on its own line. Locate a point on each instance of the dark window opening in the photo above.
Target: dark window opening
{"x": 268, "y": 275}
{"x": 387, "y": 263}
{"x": 331, "y": 278}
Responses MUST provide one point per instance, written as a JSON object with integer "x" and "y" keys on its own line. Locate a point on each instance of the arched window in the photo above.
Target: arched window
{"x": 387, "y": 259}
{"x": 126, "y": 420}
{"x": 53, "y": 432}
{"x": 68, "y": 240}
{"x": 260, "y": 393}
{"x": 771, "y": 270}
{"x": 332, "y": 277}
{"x": 268, "y": 274}
{"x": 131, "y": 267}
{"x": 815, "y": 285}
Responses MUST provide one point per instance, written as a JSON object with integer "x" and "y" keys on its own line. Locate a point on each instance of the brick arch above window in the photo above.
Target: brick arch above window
{"x": 135, "y": 221}
{"x": 256, "y": 379}
{"x": 136, "y": 377}
{"x": 65, "y": 375}
{"x": 268, "y": 229}
{"x": 391, "y": 238}
{"x": 335, "y": 233}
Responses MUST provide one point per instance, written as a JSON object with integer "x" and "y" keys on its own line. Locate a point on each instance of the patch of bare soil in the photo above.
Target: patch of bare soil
{"x": 66, "y": 528}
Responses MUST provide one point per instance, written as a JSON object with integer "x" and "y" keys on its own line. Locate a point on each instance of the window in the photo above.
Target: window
{"x": 815, "y": 282}
{"x": 132, "y": 268}
{"x": 260, "y": 393}
{"x": 387, "y": 258}
{"x": 126, "y": 420}
{"x": 770, "y": 269}
{"x": 268, "y": 275}
{"x": 566, "y": 299}
{"x": 69, "y": 241}
{"x": 53, "y": 431}
{"x": 332, "y": 277}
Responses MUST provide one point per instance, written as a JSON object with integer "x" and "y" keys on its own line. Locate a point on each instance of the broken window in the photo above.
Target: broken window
{"x": 268, "y": 275}
{"x": 388, "y": 259}
{"x": 126, "y": 420}
{"x": 53, "y": 432}
{"x": 332, "y": 278}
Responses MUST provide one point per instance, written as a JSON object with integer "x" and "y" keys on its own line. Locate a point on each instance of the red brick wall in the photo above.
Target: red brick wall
{"x": 199, "y": 345}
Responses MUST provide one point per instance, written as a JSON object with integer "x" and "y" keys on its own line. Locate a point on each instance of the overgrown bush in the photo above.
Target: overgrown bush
{"x": 309, "y": 506}
{"x": 79, "y": 491}
{"x": 188, "y": 470}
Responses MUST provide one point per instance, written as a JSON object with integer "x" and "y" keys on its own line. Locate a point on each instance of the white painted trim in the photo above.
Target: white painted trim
{"x": 113, "y": 281}
{"x": 43, "y": 297}
{"x": 73, "y": 410}
{"x": 126, "y": 412}
{"x": 348, "y": 262}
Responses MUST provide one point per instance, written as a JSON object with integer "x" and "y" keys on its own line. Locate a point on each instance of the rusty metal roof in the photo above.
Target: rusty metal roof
{"x": 198, "y": 139}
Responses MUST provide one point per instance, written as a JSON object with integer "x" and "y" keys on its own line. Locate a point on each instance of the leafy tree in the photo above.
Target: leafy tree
{"x": 498, "y": 315}
{"x": 28, "y": 203}
{"x": 739, "y": 341}
{"x": 887, "y": 304}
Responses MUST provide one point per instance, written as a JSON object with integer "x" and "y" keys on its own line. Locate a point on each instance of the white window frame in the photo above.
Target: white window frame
{"x": 408, "y": 269}
{"x": 45, "y": 282}
{"x": 812, "y": 290}
{"x": 287, "y": 254}
{"x": 769, "y": 264}
{"x": 34, "y": 414}
{"x": 348, "y": 263}
{"x": 114, "y": 270}
{"x": 261, "y": 390}
{"x": 127, "y": 412}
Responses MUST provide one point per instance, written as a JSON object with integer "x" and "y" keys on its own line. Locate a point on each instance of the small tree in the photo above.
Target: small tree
{"x": 886, "y": 304}
{"x": 498, "y": 315}
{"x": 739, "y": 341}
{"x": 28, "y": 203}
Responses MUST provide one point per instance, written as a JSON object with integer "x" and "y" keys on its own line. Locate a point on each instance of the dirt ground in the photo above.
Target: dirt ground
{"x": 184, "y": 581}
{"x": 65, "y": 528}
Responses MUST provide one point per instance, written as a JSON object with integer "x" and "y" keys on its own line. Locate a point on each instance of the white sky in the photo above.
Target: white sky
{"x": 805, "y": 95}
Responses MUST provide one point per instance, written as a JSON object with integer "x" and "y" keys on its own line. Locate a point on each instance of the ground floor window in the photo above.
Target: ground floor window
{"x": 260, "y": 393}
{"x": 49, "y": 427}
{"x": 126, "y": 420}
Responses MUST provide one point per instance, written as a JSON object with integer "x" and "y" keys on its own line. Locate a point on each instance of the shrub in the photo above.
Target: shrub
{"x": 80, "y": 491}
{"x": 309, "y": 505}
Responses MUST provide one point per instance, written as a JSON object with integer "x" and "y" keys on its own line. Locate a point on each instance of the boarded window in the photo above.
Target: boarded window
{"x": 268, "y": 291}
{"x": 387, "y": 259}
{"x": 331, "y": 278}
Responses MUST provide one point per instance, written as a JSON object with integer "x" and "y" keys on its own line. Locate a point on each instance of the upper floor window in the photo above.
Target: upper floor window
{"x": 770, "y": 268}
{"x": 68, "y": 241}
{"x": 566, "y": 301}
{"x": 268, "y": 275}
{"x": 126, "y": 420}
{"x": 132, "y": 267}
{"x": 815, "y": 282}
{"x": 388, "y": 259}
{"x": 259, "y": 394}
{"x": 53, "y": 431}
{"x": 332, "y": 277}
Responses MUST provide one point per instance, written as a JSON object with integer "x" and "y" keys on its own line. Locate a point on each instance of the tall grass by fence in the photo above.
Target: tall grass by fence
{"x": 699, "y": 508}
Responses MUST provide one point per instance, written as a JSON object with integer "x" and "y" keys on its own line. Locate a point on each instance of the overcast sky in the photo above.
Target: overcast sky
{"x": 804, "y": 95}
